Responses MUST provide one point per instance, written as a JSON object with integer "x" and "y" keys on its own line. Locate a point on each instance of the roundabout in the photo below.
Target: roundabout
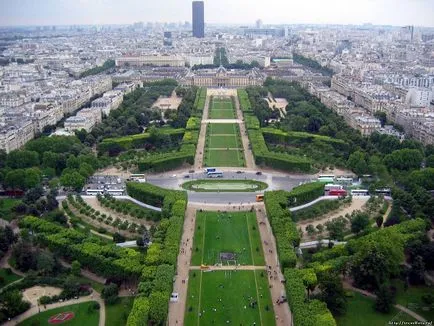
{"x": 225, "y": 185}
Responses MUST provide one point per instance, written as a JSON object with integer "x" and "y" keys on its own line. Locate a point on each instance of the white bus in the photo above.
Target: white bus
{"x": 215, "y": 174}
{"x": 344, "y": 180}
{"x": 94, "y": 192}
{"x": 359, "y": 192}
{"x": 326, "y": 178}
{"x": 137, "y": 177}
{"x": 330, "y": 186}
{"x": 384, "y": 192}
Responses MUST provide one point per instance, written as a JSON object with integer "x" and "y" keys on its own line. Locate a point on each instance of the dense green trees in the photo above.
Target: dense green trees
{"x": 99, "y": 69}
{"x": 404, "y": 159}
{"x": 314, "y": 65}
{"x": 12, "y": 304}
{"x": 332, "y": 292}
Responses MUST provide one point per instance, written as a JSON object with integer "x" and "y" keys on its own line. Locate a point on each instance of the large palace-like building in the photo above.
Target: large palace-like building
{"x": 222, "y": 77}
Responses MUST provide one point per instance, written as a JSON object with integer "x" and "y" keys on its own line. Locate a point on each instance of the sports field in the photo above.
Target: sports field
{"x": 223, "y": 145}
{"x": 235, "y": 233}
{"x": 222, "y": 108}
{"x": 228, "y": 298}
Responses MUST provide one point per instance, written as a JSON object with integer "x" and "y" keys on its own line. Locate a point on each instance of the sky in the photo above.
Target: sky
{"x": 76, "y": 12}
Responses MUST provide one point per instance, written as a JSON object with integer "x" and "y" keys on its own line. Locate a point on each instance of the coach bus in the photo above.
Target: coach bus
{"x": 384, "y": 192}
{"x": 137, "y": 177}
{"x": 330, "y": 186}
{"x": 344, "y": 180}
{"x": 326, "y": 178}
{"x": 215, "y": 174}
{"x": 359, "y": 192}
{"x": 208, "y": 170}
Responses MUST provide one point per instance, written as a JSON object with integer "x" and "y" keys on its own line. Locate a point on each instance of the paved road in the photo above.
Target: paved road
{"x": 275, "y": 181}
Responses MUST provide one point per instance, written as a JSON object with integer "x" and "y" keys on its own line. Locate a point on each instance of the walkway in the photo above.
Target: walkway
{"x": 282, "y": 311}
{"x": 34, "y": 310}
{"x": 200, "y": 148}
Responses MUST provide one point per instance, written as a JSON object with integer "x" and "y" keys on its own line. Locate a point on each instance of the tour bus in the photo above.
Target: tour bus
{"x": 383, "y": 191}
{"x": 138, "y": 177}
{"x": 94, "y": 192}
{"x": 344, "y": 180}
{"x": 215, "y": 174}
{"x": 359, "y": 192}
{"x": 331, "y": 186}
{"x": 326, "y": 178}
{"x": 207, "y": 170}
{"x": 260, "y": 197}
{"x": 338, "y": 192}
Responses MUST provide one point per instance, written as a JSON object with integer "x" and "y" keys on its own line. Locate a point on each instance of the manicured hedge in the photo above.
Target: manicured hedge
{"x": 193, "y": 123}
{"x": 252, "y": 122}
{"x": 305, "y": 193}
{"x": 276, "y": 136}
{"x": 284, "y": 229}
{"x": 279, "y": 161}
{"x": 305, "y": 312}
{"x": 199, "y": 102}
{"x": 139, "y": 313}
{"x": 244, "y": 101}
{"x": 174, "y": 204}
{"x": 165, "y": 161}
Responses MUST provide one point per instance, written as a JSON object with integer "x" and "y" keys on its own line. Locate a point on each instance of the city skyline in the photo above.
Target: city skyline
{"x": 98, "y": 12}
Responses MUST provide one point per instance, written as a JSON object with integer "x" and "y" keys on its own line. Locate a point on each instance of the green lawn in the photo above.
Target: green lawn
{"x": 82, "y": 316}
{"x": 412, "y": 299}
{"x": 234, "y": 232}
{"x": 117, "y": 314}
{"x": 360, "y": 312}
{"x": 214, "y": 298}
{"x": 223, "y": 136}
{"x": 8, "y": 277}
{"x": 214, "y": 185}
{"x": 222, "y": 128}
{"x": 223, "y": 142}
{"x": 7, "y": 208}
{"x": 233, "y": 158}
{"x": 222, "y": 109}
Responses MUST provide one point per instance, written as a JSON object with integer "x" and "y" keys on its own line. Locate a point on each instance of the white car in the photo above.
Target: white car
{"x": 174, "y": 176}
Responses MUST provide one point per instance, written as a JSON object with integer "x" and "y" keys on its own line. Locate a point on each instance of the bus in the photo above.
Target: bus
{"x": 137, "y": 177}
{"x": 338, "y": 192}
{"x": 384, "y": 192}
{"x": 215, "y": 174}
{"x": 359, "y": 192}
{"x": 207, "y": 170}
{"x": 344, "y": 180}
{"x": 326, "y": 178}
{"x": 331, "y": 186}
{"x": 260, "y": 197}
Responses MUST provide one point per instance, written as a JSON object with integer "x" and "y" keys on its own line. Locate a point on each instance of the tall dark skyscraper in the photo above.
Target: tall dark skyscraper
{"x": 198, "y": 19}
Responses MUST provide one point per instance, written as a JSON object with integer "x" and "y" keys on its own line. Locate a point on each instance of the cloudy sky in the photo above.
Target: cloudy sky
{"x": 66, "y": 12}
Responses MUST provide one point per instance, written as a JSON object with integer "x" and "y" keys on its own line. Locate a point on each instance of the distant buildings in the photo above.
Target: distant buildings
{"x": 151, "y": 60}
{"x": 198, "y": 19}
